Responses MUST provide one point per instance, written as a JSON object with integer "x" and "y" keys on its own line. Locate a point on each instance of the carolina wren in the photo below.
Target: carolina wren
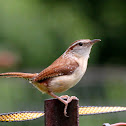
{"x": 63, "y": 73}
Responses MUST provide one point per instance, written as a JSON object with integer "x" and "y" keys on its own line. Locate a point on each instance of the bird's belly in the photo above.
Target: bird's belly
{"x": 63, "y": 83}
{"x": 41, "y": 87}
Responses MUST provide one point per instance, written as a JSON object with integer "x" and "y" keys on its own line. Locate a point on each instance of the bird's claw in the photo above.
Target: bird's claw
{"x": 69, "y": 99}
{"x": 65, "y": 97}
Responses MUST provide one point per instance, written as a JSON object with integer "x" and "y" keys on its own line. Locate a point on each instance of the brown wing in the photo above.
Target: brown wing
{"x": 58, "y": 68}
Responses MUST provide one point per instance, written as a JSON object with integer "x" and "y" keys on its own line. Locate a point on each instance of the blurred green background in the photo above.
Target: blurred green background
{"x": 33, "y": 33}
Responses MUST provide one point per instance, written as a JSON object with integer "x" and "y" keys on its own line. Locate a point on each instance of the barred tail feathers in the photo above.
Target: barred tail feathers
{"x": 18, "y": 75}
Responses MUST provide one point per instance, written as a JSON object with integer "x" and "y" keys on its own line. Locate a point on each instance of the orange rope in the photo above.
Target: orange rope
{"x": 83, "y": 110}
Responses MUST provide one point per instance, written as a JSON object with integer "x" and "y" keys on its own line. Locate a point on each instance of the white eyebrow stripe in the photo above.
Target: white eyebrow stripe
{"x": 81, "y": 40}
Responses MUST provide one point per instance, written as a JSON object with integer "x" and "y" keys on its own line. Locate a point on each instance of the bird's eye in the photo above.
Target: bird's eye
{"x": 80, "y": 44}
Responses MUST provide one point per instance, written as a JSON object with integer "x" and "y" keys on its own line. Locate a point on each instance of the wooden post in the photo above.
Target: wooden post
{"x": 54, "y": 115}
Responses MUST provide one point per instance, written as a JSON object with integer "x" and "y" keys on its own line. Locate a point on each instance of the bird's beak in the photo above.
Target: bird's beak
{"x": 95, "y": 40}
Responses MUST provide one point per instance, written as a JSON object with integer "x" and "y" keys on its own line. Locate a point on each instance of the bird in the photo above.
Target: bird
{"x": 64, "y": 73}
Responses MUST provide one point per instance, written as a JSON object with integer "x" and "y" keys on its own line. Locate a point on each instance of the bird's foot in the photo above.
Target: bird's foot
{"x": 69, "y": 99}
{"x": 66, "y": 102}
{"x": 65, "y": 97}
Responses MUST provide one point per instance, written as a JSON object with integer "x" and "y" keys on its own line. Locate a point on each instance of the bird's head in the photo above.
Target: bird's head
{"x": 81, "y": 47}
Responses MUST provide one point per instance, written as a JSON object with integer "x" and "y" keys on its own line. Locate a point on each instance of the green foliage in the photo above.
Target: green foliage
{"x": 40, "y": 28}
